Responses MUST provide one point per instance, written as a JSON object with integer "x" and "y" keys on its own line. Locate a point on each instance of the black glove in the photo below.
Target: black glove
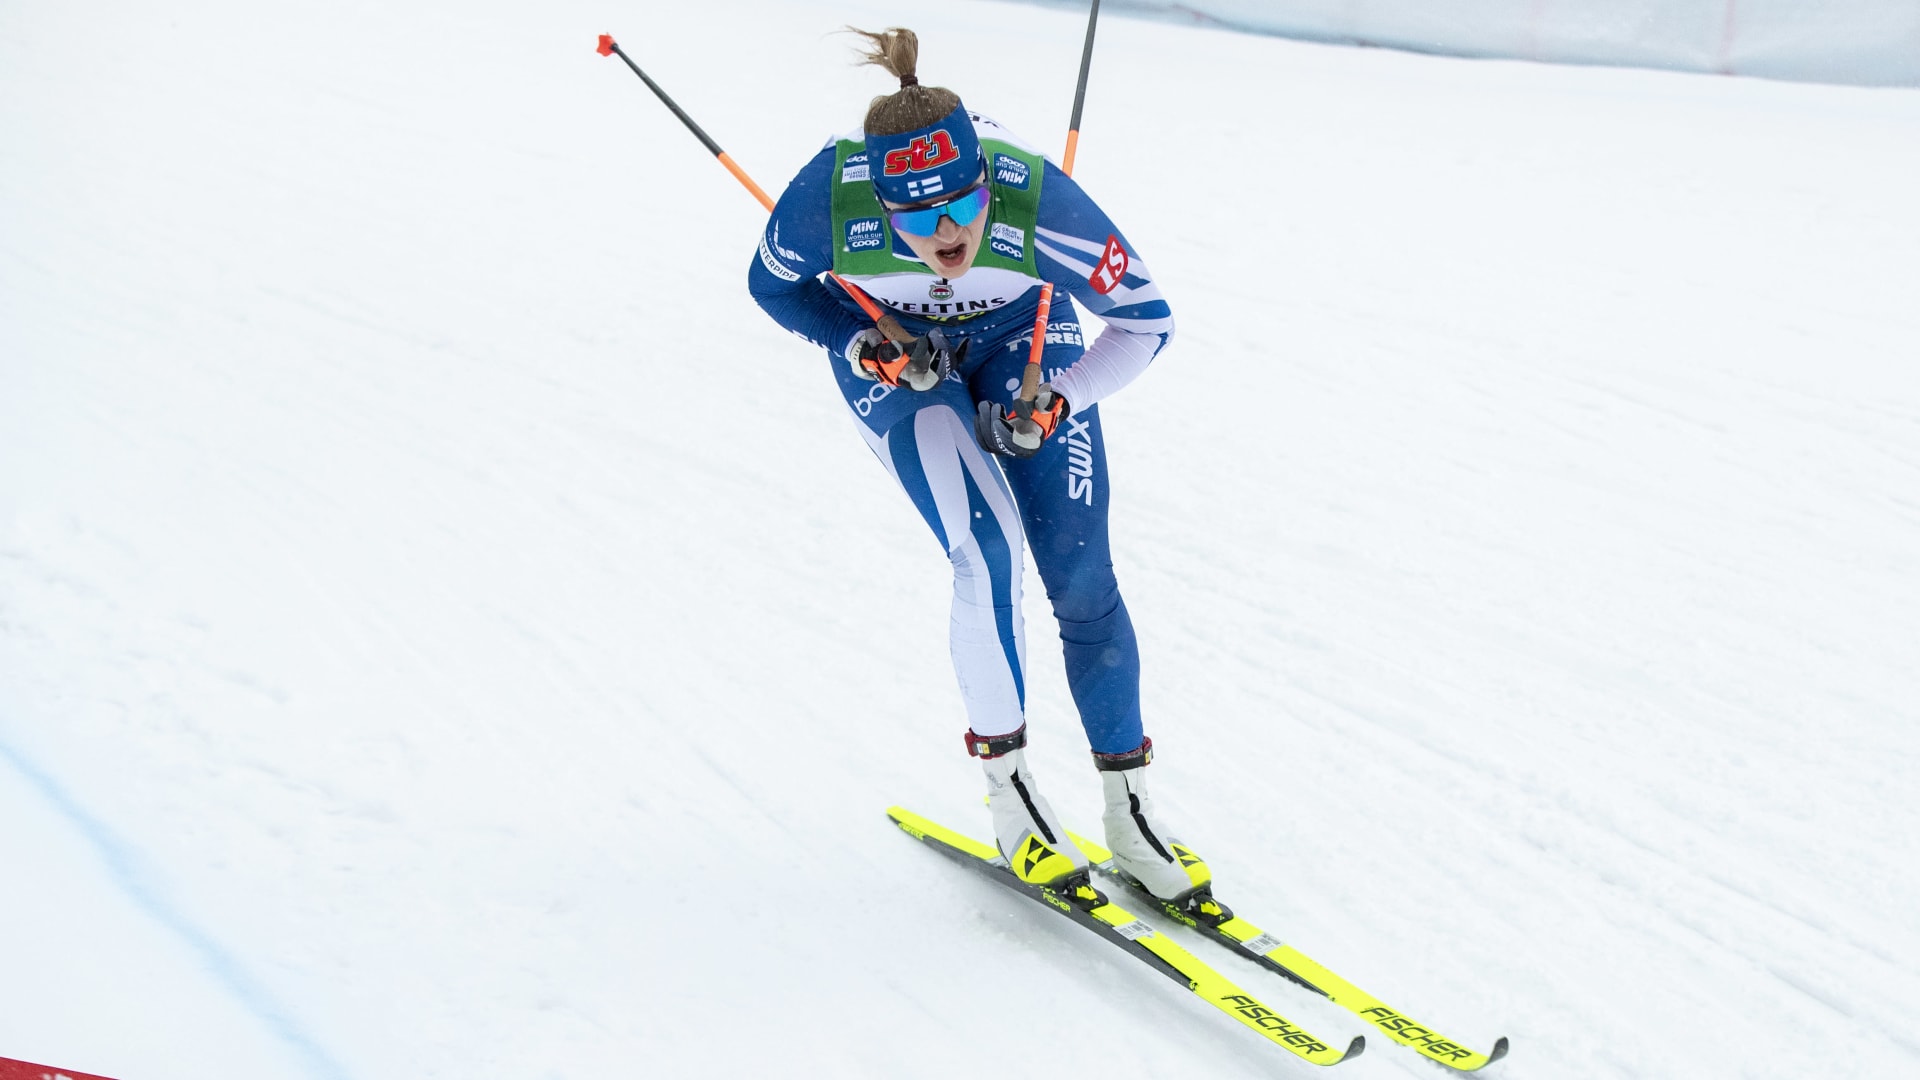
{"x": 1018, "y": 430}
{"x": 921, "y": 365}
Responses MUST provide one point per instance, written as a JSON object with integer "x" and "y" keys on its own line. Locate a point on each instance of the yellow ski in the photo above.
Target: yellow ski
{"x": 1085, "y": 905}
{"x": 1216, "y": 921}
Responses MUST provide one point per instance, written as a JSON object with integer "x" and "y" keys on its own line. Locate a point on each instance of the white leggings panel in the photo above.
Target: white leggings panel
{"x": 964, "y": 497}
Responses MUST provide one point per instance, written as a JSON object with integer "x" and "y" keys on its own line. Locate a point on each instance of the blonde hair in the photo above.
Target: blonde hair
{"x": 896, "y": 50}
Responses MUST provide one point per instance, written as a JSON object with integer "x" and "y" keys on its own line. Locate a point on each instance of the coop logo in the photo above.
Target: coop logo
{"x": 1011, "y": 171}
{"x": 923, "y": 153}
{"x": 865, "y": 234}
{"x": 854, "y": 169}
{"x": 940, "y": 290}
{"x": 1009, "y": 240}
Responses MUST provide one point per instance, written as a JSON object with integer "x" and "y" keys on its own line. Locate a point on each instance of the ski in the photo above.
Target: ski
{"x": 1216, "y": 921}
{"x": 1087, "y": 906}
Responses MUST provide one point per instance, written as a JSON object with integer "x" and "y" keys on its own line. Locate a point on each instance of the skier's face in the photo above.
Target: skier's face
{"x": 951, "y": 248}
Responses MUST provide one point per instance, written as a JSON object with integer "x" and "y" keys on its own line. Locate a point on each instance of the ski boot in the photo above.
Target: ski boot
{"x": 1028, "y": 832}
{"x": 1169, "y": 870}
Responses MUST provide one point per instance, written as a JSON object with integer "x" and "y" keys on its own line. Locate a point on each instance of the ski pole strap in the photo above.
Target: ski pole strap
{"x": 1132, "y": 759}
{"x": 987, "y": 747}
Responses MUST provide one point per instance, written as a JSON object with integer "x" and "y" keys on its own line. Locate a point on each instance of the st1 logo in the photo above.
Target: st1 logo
{"x": 1112, "y": 269}
{"x": 923, "y": 153}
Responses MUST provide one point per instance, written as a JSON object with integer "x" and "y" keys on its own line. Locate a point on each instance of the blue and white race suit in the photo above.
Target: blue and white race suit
{"x": 978, "y": 506}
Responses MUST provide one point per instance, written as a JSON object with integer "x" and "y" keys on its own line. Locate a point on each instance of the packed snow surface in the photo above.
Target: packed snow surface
{"x": 446, "y": 630}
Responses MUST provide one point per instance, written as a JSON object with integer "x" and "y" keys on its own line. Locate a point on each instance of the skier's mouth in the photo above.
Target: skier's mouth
{"x": 952, "y": 256}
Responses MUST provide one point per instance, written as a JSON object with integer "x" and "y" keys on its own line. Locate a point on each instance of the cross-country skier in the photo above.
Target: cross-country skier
{"x": 952, "y": 224}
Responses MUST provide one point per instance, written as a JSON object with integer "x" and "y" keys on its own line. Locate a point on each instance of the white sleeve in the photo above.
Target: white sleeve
{"x": 1115, "y": 360}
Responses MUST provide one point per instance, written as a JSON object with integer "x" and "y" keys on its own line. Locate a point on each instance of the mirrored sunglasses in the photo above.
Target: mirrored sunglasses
{"x": 962, "y": 208}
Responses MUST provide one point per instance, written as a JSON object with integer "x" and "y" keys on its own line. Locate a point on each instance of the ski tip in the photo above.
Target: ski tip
{"x": 606, "y": 45}
{"x": 1499, "y": 1051}
{"x": 1354, "y": 1049}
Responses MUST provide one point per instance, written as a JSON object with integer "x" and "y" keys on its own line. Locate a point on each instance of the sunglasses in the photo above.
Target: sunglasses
{"x": 962, "y": 208}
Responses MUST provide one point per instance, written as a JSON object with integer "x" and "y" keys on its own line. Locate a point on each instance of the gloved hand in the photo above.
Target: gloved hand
{"x": 1018, "y": 430}
{"x": 920, "y": 366}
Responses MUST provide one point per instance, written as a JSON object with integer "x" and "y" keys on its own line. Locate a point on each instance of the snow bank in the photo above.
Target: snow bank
{"x": 1866, "y": 42}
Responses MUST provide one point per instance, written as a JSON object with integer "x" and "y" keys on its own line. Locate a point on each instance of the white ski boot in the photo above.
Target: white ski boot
{"x": 1169, "y": 869}
{"x": 1030, "y": 835}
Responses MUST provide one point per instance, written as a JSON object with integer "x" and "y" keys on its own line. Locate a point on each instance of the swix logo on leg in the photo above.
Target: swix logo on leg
{"x": 1080, "y": 460}
{"x": 926, "y": 152}
{"x": 1112, "y": 269}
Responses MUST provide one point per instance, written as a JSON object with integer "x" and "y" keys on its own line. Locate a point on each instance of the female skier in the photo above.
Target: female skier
{"x": 952, "y": 224}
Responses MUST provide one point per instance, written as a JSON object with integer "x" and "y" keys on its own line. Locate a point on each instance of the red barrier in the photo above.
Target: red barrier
{"x": 26, "y": 1070}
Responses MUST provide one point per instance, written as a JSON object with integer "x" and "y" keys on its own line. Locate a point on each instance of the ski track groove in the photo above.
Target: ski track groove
{"x": 228, "y": 969}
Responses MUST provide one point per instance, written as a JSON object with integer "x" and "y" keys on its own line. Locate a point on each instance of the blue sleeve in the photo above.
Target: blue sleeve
{"x": 795, "y": 250}
{"x": 1079, "y": 250}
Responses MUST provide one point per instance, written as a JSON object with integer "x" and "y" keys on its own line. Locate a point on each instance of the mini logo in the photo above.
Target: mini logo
{"x": 865, "y": 234}
{"x": 940, "y": 290}
{"x": 923, "y": 153}
{"x": 1010, "y": 171}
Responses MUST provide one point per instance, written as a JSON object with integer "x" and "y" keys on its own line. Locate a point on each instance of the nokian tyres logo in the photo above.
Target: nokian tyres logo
{"x": 865, "y": 234}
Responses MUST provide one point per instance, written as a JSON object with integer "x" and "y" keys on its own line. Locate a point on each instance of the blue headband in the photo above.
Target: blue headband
{"x": 938, "y": 160}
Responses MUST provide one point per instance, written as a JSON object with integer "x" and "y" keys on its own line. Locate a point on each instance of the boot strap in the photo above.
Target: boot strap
{"x": 1132, "y": 759}
{"x": 987, "y": 747}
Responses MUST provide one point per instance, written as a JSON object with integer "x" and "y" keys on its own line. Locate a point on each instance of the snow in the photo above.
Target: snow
{"x": 445, "y": 630}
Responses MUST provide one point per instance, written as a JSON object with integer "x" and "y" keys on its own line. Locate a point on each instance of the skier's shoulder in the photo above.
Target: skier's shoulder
{"x": 986, "y": 127}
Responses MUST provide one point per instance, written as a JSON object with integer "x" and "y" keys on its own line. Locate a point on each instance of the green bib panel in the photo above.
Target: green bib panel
{"x": 864, "y": 237}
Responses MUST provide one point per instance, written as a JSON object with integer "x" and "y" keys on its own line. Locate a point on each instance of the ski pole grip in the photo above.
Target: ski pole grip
{"x": 891, "y": 327}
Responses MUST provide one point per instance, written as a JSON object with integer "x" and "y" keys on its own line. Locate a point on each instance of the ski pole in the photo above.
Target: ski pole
{"x": 1080, "y": 92}
{"x": 1030, "y": 378}
{"x": 888, "y": 325}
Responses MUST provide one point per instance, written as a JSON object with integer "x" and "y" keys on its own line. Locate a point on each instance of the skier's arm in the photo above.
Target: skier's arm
{"x": 795, "y": 249}
{"x": 1073, "y": 251}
